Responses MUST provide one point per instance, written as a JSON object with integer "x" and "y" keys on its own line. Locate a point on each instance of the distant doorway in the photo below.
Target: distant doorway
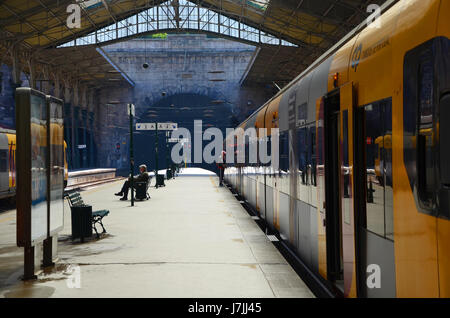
{"x": 182, "y": 109}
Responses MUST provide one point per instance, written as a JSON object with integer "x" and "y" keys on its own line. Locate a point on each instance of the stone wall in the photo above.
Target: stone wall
{"x": 7, "y": 90}
{"x": 186, "y": 75}
{"x": 80, "y": 109}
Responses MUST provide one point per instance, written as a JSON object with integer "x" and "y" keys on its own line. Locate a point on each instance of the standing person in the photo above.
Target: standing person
{"x": 221, "y": 165}
{"x": 142, "y": 177}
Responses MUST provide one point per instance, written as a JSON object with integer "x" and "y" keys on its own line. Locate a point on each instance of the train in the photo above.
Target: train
{"x": 361, "y": 194}
{"x": 8, "y": 163}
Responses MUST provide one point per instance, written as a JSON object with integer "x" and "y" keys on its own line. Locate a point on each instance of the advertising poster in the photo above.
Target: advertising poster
{"x": 56, "y": 165}
{"x": 38, "y": 129}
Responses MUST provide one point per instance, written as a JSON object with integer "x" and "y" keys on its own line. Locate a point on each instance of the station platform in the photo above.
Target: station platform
{"x": 191, "y": 239}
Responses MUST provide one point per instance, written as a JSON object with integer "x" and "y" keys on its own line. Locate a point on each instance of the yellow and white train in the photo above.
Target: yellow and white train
{"x": 370, "y": 217}
{"x": 8, "y": 163}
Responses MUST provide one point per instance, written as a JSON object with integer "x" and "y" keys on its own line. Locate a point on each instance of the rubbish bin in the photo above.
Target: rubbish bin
{"x": 160, "y": 180}
{"x": 81, "y": 222}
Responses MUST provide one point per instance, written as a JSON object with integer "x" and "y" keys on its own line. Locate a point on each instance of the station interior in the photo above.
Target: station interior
{"x": 126, "y": 148}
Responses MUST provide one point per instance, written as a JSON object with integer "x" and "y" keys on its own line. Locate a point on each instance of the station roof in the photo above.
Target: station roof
{"x": 90, "y": 64}
{"x": 314, "y": 26}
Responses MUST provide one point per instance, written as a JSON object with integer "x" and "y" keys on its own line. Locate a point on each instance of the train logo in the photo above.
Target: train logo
{"x": 356, "y": 57}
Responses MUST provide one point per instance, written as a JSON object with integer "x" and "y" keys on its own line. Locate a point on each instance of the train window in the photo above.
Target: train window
{"x": 387, "y": 172}
{"x": 235, "y": 150}
{"x": 444, "y": 157}
{"x": 426, "y": 80}
{"x": 284, "y": 151}
{"x": 247, "y": 149}
{"x": 444, "y": 138}
{"x": 312, "y": 147}
{"x": 378, "y": 150}
{"x": 265, "y": 147}
{"x": 3, "y": 161}
{"x": 375, "y": 189}
{"x": 308, "y": 156}
{"x": 253, "y": 158}
{"x": 425, "y": 153}
{"x": 303, "y": 154}
{"x": 301, "y": 114}
{"x": 345, "y": 169}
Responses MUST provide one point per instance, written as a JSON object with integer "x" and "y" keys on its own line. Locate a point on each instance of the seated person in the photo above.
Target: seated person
{"x": 142, "y": 177}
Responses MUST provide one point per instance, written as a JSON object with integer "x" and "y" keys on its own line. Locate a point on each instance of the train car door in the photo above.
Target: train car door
{"x": 347, "y": 102}
{"x": 338, "y": 108}
{"x": 332, "y": 169}
{"x": 4, "y": 164}
{"x": 374, "y": 200}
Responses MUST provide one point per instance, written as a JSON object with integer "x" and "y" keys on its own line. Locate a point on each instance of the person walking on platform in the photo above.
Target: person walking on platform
{"x": 221, "y": 165}
{"x": 142, "y": 177}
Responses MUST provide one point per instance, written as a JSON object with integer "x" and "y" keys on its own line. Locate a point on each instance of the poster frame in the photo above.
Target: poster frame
{"x": 51, "y": 99}
{"x": 24, "y": 167}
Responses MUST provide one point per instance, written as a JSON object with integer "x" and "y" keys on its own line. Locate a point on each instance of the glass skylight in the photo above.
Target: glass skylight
{"x": 191, "y": 17}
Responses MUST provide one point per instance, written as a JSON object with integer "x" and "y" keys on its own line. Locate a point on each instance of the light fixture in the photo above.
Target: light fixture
{"x": 335, "y": 80}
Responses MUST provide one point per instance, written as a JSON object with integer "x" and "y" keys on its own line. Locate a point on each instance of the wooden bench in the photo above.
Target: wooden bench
{"x": 75, "y": 200}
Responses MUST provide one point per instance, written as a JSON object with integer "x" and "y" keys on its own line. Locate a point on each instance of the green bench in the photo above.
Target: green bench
{"x": 75, "y": 200}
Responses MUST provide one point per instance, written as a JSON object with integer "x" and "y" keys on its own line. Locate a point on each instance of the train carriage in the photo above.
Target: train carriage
{"x": 8, "y": 162}
{"x": 362, "y": 191}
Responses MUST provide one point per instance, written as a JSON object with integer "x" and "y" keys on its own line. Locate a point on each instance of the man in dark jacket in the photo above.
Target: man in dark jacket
{"x": 221, "y": 166}
{"x": 142, "y": 177}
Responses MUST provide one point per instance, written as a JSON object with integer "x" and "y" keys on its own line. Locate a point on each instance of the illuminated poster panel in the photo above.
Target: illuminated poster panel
{"x": 31, "y": 163}
{"x": 56, "y": 165}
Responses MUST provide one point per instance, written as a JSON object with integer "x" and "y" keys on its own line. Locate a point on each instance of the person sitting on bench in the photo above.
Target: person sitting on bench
{"x": 142, "y": 177}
